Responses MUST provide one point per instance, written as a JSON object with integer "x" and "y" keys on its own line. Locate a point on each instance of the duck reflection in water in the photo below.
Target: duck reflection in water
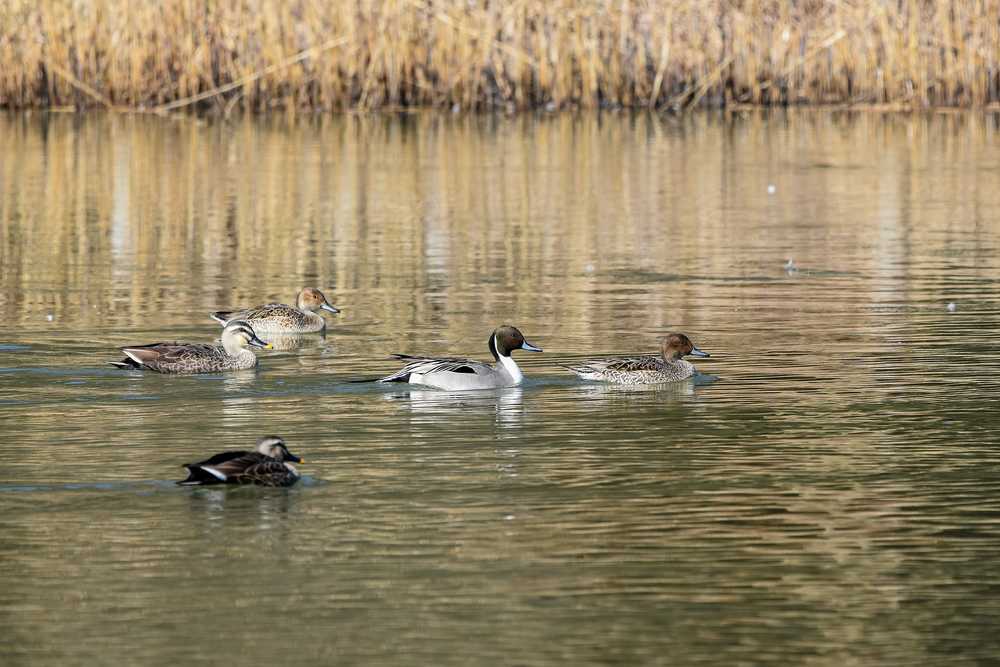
{"x": 506, "y": 405}
{"x": 227, "y": 515}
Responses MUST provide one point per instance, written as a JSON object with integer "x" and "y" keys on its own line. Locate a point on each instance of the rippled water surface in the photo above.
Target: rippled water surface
{"x": 831, "y": 498}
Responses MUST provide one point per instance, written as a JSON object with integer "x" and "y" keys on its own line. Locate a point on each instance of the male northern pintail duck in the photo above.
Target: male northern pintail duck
{"x": 279, "y": 318}
{"x": 460, "y": 374}
{"x": 267, "y": 466}
{"x": 233, "y": 355}
{"x": 644, "y": 370}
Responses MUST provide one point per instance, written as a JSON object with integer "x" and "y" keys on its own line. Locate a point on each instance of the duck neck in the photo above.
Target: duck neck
{"x": 670, "y": 358}
{"x": 493, "y": 346}
{"x": 242, "y": 357}
{"x": 681, "y": 365}
{"x": 511, "y": 367}
{"x": 505, "y": 361}
{"x": 245, "y": 358}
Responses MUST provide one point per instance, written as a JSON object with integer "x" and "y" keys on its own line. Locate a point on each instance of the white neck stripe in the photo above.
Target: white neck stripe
{"x": 508, "y": 364}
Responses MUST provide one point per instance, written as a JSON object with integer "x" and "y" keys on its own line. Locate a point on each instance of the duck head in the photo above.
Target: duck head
{"x": 239, "y": 335}
{"x": 506, "y": 339}
{"x": 311, "y": 299}
{"x": 676, "y": 345}
{"x": 274, "y": 446}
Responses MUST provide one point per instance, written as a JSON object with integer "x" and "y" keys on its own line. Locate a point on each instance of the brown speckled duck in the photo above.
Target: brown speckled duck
{"x": 280, "y": 318}
{"x": 233, "y": 355}
{"x": 668, "y": 367}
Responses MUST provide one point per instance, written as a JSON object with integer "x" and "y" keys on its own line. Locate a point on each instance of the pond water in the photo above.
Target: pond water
{"x": 830, "y": 498}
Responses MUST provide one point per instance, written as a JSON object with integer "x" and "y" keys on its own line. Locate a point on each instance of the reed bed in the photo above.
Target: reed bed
{"x": 510, "y": 54}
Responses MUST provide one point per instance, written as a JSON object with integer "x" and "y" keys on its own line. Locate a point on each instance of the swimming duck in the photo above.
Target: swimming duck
{"x": 267, "y": 466}
{"x": 279, "y": 318}
{"x": 460, "y": 374}
{"x": 232, "y": 355}
{"x": 644, "y": 370}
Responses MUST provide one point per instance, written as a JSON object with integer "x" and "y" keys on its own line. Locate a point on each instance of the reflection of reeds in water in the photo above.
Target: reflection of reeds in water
{"x": 118, "y": 221}
{"x": 523, "y": 53}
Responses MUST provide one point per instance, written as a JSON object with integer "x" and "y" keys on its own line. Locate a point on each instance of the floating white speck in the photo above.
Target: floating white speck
{"x": 589, "y": 268}
{"x": 771, "y": 189}
{"x": 952, "y": 307}
{"x": 50, "y": 317}
{"x": 790, "y": 266}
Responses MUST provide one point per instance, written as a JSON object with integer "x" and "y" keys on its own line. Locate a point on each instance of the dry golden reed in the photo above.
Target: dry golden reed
{"x": 478, "y": 54}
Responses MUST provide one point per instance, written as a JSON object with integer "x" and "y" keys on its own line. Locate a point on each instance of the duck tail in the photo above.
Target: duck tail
{"x": 585, "y": 372}
{"x": 400, "y": 376}
{"x": 221, "y": 316}
{"x": 575, "y": 369}
{"x": 198, "y": 476}
{"x": 125, "y": 363}
{"x": 403, "y": 374}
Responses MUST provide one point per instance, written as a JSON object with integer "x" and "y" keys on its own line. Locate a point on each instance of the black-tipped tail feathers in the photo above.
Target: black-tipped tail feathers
{"x": 197, "y": 476}
{"x": 126, "y": 363}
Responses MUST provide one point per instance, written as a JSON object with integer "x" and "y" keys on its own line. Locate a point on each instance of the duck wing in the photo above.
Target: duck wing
{"x": 250, "y": 314}
{"x": 635, "y": 364}
{"x": 223, "y": 468}
{"x": 428, "y": 365}
{"x": 268, "y": 473}
{"x": 166, "y": 354}
{"x": 625, "y": 365}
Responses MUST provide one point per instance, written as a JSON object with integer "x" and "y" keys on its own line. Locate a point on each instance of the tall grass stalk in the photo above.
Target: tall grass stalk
{"x": 480, "y": 54}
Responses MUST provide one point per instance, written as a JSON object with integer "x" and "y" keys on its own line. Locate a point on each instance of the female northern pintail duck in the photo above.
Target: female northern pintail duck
{"x": 233, "y": 355}
{"x": 267, "y": 466}
{"x": 460, "y": 374}
{"x": 279, "y": 318}
{"x": 644, "y": 370}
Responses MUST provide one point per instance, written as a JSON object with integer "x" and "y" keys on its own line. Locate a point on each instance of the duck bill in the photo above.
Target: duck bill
{"x": 330, "y": 308}
{"x": 257, "y": 342}
{"x": 695, "y": 352}
{"x": 529, "y": 347}
{"x": 294, "y": 459}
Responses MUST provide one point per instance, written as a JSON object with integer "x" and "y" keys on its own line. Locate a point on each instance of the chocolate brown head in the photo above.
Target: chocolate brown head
{"x": 676, "y": 345}
{"x": 506, "y": 339}
{"x": 311, "y": 299}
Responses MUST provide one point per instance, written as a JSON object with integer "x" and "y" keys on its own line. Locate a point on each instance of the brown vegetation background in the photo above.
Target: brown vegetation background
{"x": 478, "y": 54}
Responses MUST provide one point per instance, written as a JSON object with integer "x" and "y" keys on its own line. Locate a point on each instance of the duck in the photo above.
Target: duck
{"x": 233, "y": 355}
{"x": 454, "y": 374}
{"x": 278, "y": 318}
{"x": 670, "y": 366}
{"x": 267, "y": 465}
